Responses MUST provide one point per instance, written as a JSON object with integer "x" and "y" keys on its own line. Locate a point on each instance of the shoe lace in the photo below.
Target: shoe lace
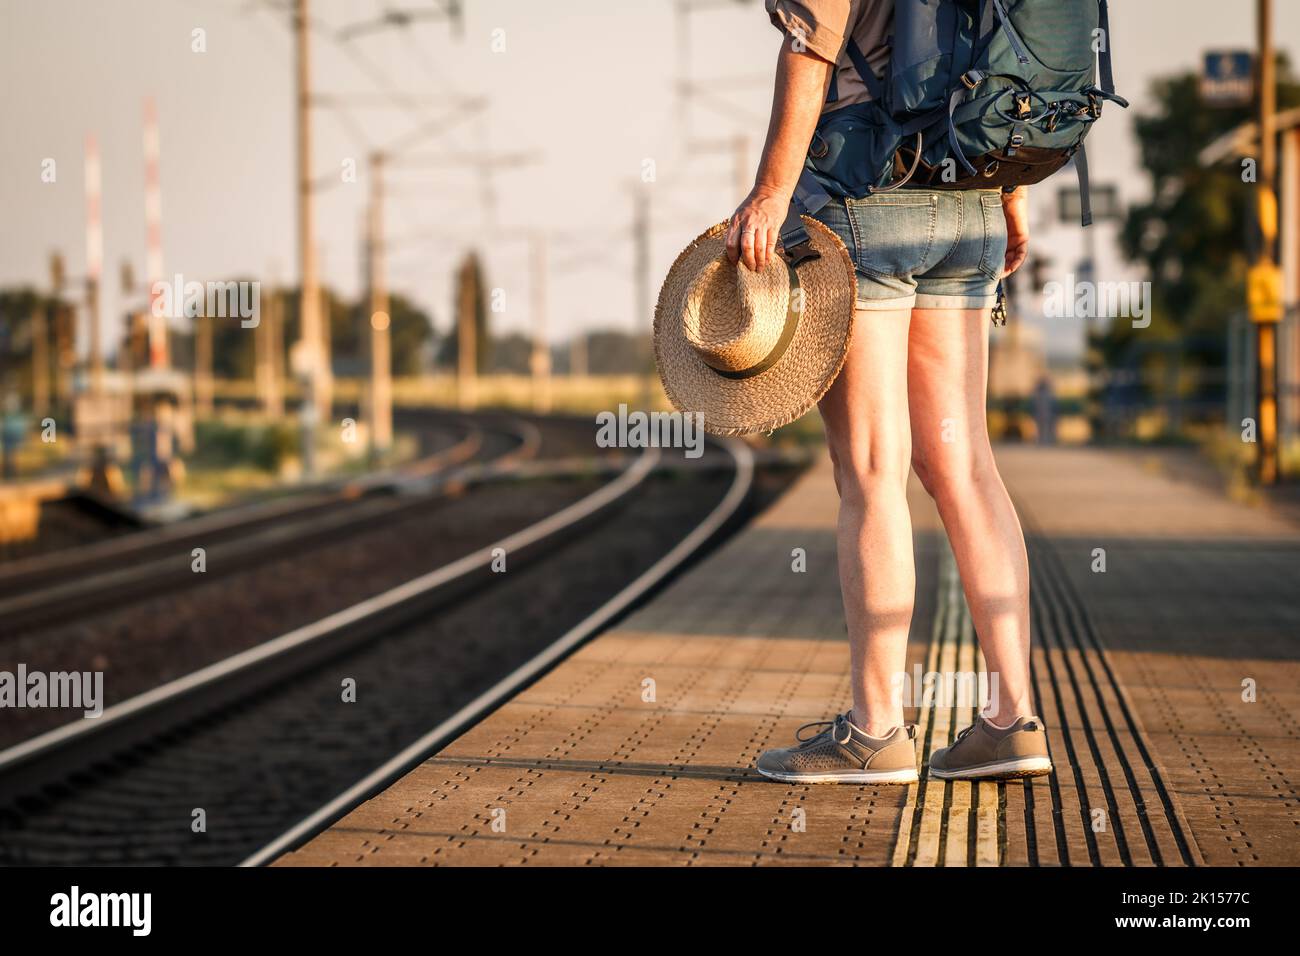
{"x": 839, "y": 726}
{"x": 965, "y": 733}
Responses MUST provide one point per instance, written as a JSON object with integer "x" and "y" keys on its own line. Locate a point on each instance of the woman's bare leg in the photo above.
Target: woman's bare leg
{"x": 947, "y": 378}
{"x": 867, "y": 429}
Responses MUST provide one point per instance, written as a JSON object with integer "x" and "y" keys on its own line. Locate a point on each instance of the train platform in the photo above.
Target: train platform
{"x": 1166, "y": 669}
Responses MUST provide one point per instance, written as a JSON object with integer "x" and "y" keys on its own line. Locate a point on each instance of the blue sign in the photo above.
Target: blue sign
{"x": 1228, "y": 78}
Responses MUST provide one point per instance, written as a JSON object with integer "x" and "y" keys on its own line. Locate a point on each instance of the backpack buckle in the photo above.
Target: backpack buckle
{"x": 1094, "y": 105}
{"x": 1014, "y": 143}
{"x": 798, "y": 254}
{"x": 1023, "y": 105}
{"x": 972, "y": 78}
{"x": 990, "y": 169}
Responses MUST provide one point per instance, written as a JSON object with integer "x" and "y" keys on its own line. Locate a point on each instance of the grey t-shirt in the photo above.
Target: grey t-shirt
{"x": 825, "y": 27}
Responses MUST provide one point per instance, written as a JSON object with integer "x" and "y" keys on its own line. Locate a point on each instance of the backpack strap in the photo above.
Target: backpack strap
{"x": 1107, "y": 76}
{"x": 1085, "y": 197}
{"x": 1017, "y": 46}
{"x": 987, "y": 26}
{"x": 992, "y": 12}
{"x": 970, "y": 80}
{"x": 809, "y": 197}
{"x": 953, "y": 100}
{"x": 874, "y": 86}
{"x": 833, "y": 93}
{"x": 923, "y": 122}
{"x": 809, "y": 194}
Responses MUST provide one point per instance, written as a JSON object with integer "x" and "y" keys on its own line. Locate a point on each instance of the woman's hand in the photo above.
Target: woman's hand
{"x": 801, "y": 81}
{"x": 755, "y": 227}
{"x": 1015, "y": 207}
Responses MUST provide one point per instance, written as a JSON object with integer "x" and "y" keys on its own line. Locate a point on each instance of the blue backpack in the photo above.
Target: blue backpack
{"x": 979, "y": 94}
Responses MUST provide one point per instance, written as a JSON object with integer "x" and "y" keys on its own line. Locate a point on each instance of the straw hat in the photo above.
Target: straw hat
{"x": 750, "y": 350}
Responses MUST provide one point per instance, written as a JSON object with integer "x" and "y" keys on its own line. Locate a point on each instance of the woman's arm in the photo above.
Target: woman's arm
{"x": 1015, "y": 208}
{"x": 801, "y": 81}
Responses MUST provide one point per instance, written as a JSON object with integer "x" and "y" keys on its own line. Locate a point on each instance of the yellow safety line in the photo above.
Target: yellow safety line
{"x": 957, "y": 817}
{"x": 953, "y": 648}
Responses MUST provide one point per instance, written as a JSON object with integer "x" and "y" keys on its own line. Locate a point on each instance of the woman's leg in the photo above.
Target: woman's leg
{"x": 866, "y": 425}
{"x": 947, "y": 379}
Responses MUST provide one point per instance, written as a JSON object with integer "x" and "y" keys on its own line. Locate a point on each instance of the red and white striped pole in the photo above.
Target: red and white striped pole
{"x": 158, "y": 352}
{"x": 94, "y": 263}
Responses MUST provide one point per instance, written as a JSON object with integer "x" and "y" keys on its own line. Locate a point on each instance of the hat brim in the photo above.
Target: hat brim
{"x": 796, "y": 382}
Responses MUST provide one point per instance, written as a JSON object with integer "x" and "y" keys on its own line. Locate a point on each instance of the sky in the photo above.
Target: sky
{"x": 576, "y": 99}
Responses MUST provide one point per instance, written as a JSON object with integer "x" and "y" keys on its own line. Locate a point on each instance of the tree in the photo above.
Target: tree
{"x": 410, "y": 333}
{"x": 1193, "y": 236}
{"x": 410, "y": 330}
{"x": 16, "y": 309}
{"x": 512, "y": 354}
{"x": 612, "y": 352}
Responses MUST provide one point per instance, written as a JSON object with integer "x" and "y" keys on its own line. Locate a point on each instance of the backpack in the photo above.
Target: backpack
{"x": 978, "y": 94}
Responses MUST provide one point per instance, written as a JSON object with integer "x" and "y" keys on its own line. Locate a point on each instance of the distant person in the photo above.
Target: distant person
{"x": 1045, "y": 411}
{"x": 911, "y": 394}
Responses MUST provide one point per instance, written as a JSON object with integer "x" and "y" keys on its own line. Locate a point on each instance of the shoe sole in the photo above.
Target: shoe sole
{"x": 1019, "y": 767}
{"x": 847, "y": 776}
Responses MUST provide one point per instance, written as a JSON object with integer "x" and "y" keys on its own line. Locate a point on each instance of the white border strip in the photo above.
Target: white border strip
{"x": 743, "y": 456}
{"x": 348, "y": 616}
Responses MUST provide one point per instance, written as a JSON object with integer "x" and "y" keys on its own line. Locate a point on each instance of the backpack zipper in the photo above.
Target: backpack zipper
{"x": 1016, "y": 46}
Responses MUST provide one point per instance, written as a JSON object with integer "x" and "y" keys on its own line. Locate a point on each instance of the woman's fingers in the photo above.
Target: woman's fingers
{"x": 733, "y": 239}
{"x": 750, "y": 239}
{"x": 747, "y": 247}
{"x": 764, "y": 246}
{"x": 764, "y": 243}
{"x": 1017, "y": 252}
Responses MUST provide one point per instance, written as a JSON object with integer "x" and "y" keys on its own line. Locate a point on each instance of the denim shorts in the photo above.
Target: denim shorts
{"x": 923, "y": 249}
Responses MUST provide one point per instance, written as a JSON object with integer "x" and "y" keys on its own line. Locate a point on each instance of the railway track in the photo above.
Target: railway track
{"x": 65, "y": 585}
{"x": 179, "y": 621}
{"x": 80, "y": 531}
{"x": 263, "y": 744}
{"x": 446, "y": 443}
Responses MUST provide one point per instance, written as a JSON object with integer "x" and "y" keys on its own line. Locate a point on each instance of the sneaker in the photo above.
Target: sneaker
{"x": 842, "y": 753}
{"x": 983, "y": 751}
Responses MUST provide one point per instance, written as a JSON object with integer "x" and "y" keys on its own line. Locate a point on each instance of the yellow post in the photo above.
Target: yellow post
{"x": 540, "y": 360}
{"x": 466, "y": 342}
{"x": 313, "y": 334}
{"x": 381, "y": 362}
{"x": 40, "y": 364}
{"x": 1264, "y": 284}
{"x": 203, "y": 386}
